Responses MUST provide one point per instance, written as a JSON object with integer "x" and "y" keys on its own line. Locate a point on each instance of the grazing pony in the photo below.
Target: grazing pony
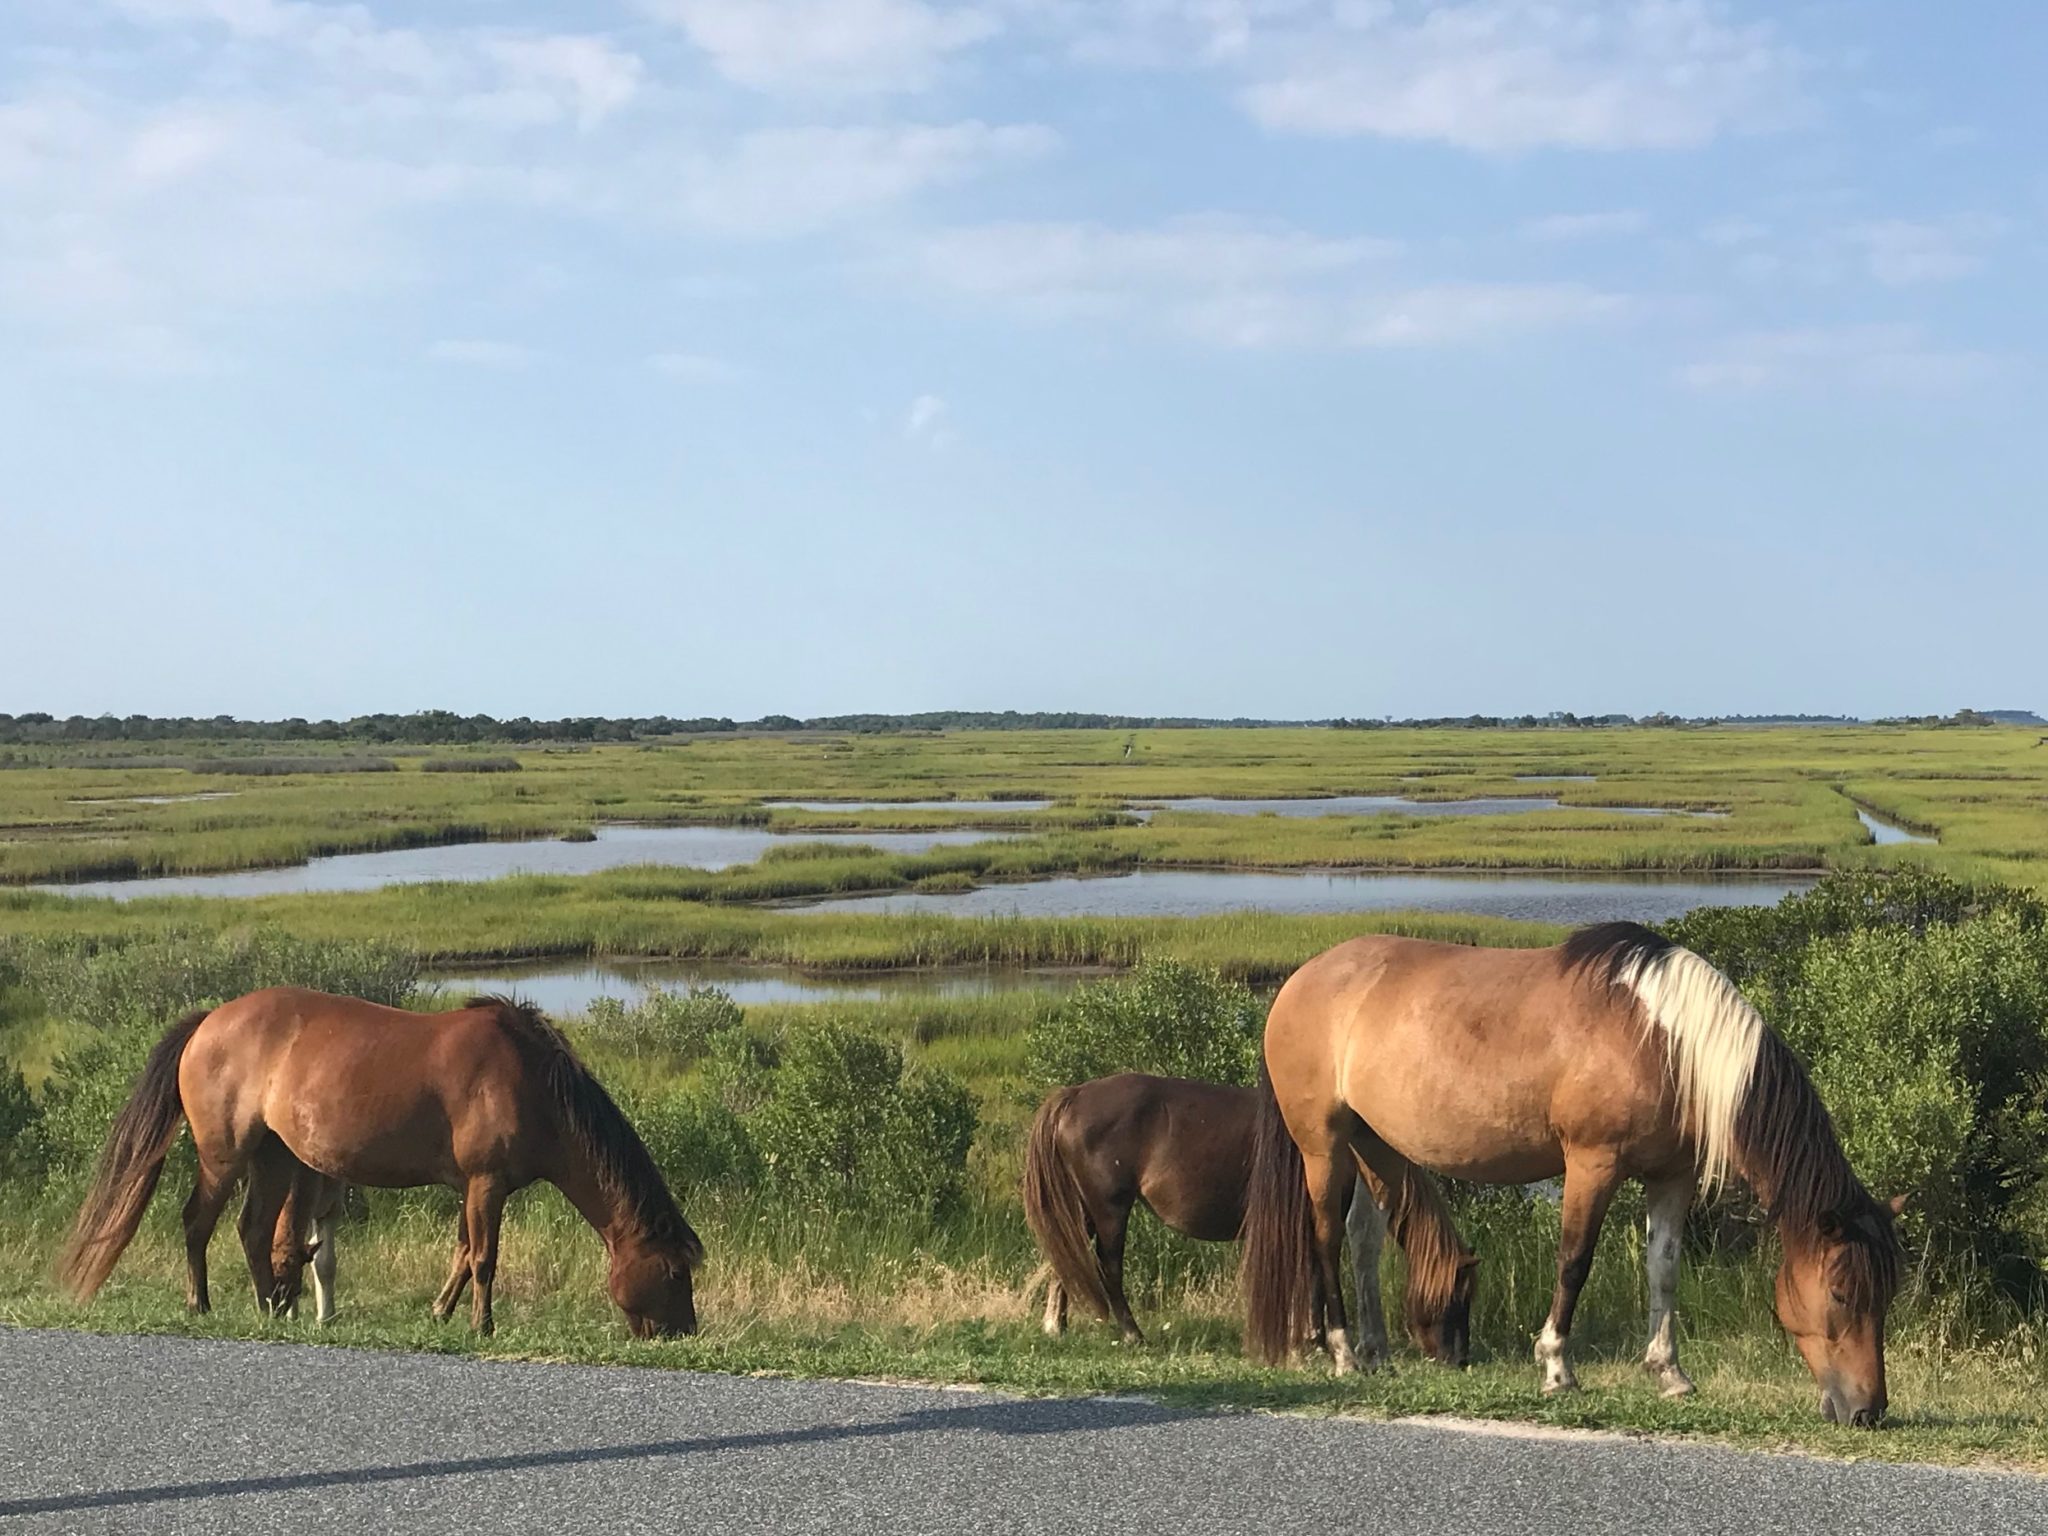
{"x": 1615, "y": 1055}
{"x": 485, "y": 1099}
{"x": 1185, "y": 1150}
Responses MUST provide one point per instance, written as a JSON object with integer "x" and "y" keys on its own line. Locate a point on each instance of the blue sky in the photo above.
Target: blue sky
{"x": 1278, "y": 357}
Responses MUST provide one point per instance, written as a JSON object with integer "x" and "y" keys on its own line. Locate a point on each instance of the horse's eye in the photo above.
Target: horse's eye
{"x": 1840, "y": 1298}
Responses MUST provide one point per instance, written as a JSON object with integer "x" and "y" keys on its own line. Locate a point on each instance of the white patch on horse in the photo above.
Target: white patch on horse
{"x": 1712, "y": 1039}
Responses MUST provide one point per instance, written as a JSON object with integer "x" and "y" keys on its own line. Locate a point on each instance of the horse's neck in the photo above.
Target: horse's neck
{"x": 615, "y": 1220}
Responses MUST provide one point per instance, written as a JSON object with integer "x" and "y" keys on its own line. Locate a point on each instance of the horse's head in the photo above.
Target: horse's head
{"x": 1833, "y": 1288}
{"x": 651, "y": 1284}
{"x": 288, "y": 1260}
{"x": 1445, "y": 1334}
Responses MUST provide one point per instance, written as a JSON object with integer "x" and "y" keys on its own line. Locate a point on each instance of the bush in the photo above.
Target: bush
{"x": 683, "y": 1026}
{"x": 24, "y": 1149}
{"x": 470, "y": 765}
{"x": 842, "y": 1125}
{"x": 121, "y": 998}
{"x": 1931, "y": 1052}
{"x": 1166, "y": 1018}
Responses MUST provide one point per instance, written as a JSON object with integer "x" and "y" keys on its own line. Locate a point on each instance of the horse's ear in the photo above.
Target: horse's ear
{"x": 1829, "y": 1225}
{"x": 1898, "y": 1204}
{"x": 1468, "y": 1263}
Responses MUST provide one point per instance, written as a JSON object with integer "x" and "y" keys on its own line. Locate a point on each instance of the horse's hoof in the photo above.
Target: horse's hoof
{"x": 1563, "y": 1382}
{"x": 1671, "y": 1381}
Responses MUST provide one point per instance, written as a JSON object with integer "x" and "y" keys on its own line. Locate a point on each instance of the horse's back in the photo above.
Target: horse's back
{"x": 1182, "y": 1146}
{"x": 1461, "y": 1058}
{"x": 361, "y": 1091}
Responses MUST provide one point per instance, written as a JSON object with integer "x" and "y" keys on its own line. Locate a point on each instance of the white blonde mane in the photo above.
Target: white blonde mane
{"x": 1712, "y": 1038}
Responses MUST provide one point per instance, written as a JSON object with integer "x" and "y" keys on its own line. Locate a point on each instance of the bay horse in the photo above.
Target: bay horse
{"x": 1617, "y": 1054}
{"x": 484, "y": 1099}
{"x": 1184, "y": 1150}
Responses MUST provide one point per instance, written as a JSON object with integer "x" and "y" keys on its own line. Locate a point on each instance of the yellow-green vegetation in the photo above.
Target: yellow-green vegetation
{"x": 853, "y": 1166}
{"x": 1790, "y": 795}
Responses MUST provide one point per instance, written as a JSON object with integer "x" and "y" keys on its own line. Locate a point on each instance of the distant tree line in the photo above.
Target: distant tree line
{"x": 442, "y": 727}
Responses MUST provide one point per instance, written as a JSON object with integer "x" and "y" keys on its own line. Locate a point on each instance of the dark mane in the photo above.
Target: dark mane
{"x": 624, "y": 1168}
{"x": 1608, "y": 950}
{"x": 1787, "y": 1144}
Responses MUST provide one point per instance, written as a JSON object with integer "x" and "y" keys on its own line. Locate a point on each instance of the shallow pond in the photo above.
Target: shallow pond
{"x": 204, "y": 794}
{"x": 1193, "y": 893}
{"x": 694, "y": 847}
{"x": 562, "y": 988}
{"x": 907, "y": 805}
{"x": 1884, "y": 834}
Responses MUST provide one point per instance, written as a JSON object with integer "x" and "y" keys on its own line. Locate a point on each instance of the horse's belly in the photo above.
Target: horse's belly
{"x": 391, "y": 1141}
{"x": 1486, "y": 1143}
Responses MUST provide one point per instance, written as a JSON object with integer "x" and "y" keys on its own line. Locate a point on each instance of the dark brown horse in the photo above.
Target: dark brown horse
{"x": 1184, "y": 1149}
{"x": 1616, "y": 1055}
{"x": 485, "y": 1099}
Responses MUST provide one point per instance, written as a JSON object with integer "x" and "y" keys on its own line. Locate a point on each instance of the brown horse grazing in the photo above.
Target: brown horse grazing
{"x": 1184, "y": 1149}
{"x": 1615, "y": 1055}
{"x": 304, "y": 1239}
{"x": 485, "y": 1099}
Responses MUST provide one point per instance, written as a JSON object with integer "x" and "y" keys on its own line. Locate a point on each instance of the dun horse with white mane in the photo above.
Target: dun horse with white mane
{"x": 1615, "y": 1055}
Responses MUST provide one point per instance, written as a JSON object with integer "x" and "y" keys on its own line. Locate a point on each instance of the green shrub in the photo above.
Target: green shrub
{"x": 1931, "y": 1052}
{"x": 842, "y": 1125}
{"x": 1166, "y": 1018}
{"x": 119, "y": 1000}
{"x": 683, "y": 1026}
{"x": 24, "y": 1148}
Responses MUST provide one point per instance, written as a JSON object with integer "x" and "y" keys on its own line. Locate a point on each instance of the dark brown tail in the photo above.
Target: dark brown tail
{"x": 130, "y": 1165}
{"x": 1052, "y": 1204}
{"x": 1279, "y": 1239}
{"x": 1442, "y": 1271}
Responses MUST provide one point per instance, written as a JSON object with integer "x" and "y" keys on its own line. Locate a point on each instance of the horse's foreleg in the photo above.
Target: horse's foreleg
{"x": 324, "y": 1265}
{"x": 483, "y": 1210}
{"x": 1366, "y": 1227}
{"x": 1330, "y": 1178}
{"x": 1668, "y": 1202}
{"x": 210, "y": 1191}
{"x": 1589, "y": 1184}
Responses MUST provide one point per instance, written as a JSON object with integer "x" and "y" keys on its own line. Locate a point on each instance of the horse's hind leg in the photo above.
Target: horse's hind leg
{"x": 1668, "y": 1203}
{"x": 1111, "y": 1222}
{"x": 1589, "y": 1183}
{"x": 1366, "y": 1227}
{"x": 1331, "y": 1175}
{"x": 210, "y": 1191}
{"x": 458, "y": 1273}
{"x": 1055, "y": 1307}
{"x": 272, "y": 1176}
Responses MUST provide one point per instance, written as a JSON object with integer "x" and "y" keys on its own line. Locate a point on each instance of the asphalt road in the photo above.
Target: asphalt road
{"x": 138, "y": 1434}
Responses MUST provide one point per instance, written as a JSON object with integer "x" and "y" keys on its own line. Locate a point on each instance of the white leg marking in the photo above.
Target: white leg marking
{"x": 1342, "y": 1360}
{"x": 1668, "y": 1204}
{"x": 1557, "y": 1370}
{"x": 323, "y": 1269}
{"x": 1055, "y": 1308}
{"x": 1366, "y": 1226}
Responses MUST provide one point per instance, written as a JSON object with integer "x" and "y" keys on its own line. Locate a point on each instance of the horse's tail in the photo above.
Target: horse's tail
{"x": 1053, "y": 1206}
{"x": 1442, "y": 1270}
{"x": 130, "y": 1165}
{"x": 1279, "y": 1242}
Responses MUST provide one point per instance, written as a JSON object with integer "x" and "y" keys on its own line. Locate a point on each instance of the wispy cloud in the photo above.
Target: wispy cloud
{"x": 829, "y": 47}
{"x": 1244, "y": 285}
{"x": 1859, "y": 357}
{"x": 927, "y": 421}
{"x": 1901, "y": 252}
{"x": 696, "y": 367}
{"x": 1566, "y": 228}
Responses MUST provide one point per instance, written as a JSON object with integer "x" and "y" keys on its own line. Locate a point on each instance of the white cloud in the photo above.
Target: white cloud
{"x": 1498, "y": 76}
{"x": 1900, "y": 252}
{"x": 482, "y": 354}
{"x": 927, "y": 422}
{"x": 1236, "y": 284}
{"x": 786, "y": 180}
{"x": 1565, "y": 228}
{"x": 1883, "y": 357}
{"x": 831, "y": 47}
